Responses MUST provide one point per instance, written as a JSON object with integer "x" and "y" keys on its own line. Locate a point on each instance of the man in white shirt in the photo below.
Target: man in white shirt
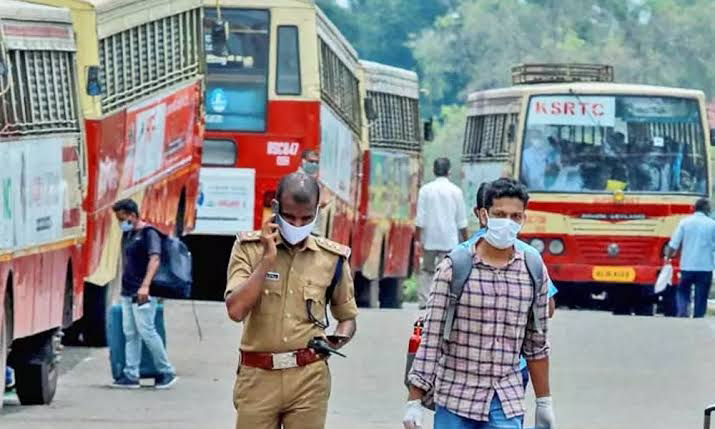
{"x": 441, "y": 224}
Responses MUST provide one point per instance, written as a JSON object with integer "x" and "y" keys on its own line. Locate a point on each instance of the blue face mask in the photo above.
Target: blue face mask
{"x": 126, "y": 225}
{"x": 311, "y": 168}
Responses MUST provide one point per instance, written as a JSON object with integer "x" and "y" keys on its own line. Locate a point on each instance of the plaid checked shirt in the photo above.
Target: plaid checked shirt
{"x": 492, "y": 325}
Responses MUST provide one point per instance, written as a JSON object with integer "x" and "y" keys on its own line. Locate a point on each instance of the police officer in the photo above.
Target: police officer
{"x": 280, "y": 281}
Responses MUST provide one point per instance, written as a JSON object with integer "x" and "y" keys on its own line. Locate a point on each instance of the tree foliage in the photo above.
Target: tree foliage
{"x": 474, "y": 45}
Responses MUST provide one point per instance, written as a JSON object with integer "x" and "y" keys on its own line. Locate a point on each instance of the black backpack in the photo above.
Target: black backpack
{"x": 173, "y": 279}
{"x": 461, "y": 257}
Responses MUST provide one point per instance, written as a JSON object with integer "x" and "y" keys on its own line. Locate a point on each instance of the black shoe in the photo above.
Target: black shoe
{"x": 125, "y": 382}
{"x": 165, "y": 381}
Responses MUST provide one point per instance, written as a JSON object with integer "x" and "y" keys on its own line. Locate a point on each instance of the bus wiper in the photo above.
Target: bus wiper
{"x": 594, "y": 121}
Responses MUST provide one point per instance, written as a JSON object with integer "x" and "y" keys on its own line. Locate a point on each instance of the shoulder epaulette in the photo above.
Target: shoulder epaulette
{"x": 245, "y": 237}
{"x": 333, "y": 247}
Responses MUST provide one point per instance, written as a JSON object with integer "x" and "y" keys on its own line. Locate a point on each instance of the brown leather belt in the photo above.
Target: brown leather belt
{"x": 287, "y": 360}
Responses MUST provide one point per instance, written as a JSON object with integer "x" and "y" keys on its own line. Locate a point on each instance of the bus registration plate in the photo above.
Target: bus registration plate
{"x": 614, "y": 274}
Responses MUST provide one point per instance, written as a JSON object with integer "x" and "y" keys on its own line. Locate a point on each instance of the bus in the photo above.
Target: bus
{"x": 611, "y": 169}
{"x": 383, "y": 253}
{"x": 41, "y": 226}
{"x": 280, "y": 79}
{"x": 139, "y": 71}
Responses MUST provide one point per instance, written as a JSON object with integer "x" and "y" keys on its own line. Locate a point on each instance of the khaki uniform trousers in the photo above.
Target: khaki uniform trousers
{"x": 430, "y": 260}
{"x": 295, "y": 398}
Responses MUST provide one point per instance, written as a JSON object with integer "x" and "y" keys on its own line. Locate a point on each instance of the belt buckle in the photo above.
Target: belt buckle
{"x": 285, "y": 360}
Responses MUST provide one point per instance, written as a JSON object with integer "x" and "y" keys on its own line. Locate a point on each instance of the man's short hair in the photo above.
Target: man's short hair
{"x": 301, "y": 187}
{"x": 441, "y": 167}
{"x": 308, "y": 152}
{"x": 480, "y": 194}
{"x": 126, "y": 205}
{"x": 505, "y": 188}
{"x": 703, "y": 205}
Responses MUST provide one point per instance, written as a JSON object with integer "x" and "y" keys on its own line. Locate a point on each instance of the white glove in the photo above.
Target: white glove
{"x": 413, "y": 415}
{"x": 545, "y": 413}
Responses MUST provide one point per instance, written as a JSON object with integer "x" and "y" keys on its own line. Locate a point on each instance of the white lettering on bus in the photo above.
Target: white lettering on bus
{"x": 282, "y": 148}
{"x": 282, "y": 161}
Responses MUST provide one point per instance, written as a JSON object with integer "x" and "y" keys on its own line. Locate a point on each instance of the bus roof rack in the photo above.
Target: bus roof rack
{"x": 554, "y": 73}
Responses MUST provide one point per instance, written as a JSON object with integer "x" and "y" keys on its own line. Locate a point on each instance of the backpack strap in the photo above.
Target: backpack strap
{"x": 535, "y": 268}
{"x": 461, "y": 257}
{"x": 337, "y": 275}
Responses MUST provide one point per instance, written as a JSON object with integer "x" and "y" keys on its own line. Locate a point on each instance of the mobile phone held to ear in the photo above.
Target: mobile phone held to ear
{"x": 275, "y": 207}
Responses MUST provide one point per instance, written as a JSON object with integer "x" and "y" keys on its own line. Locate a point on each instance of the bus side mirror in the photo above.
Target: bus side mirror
{"x": 93, "y": 86}
{"x": 712, "y": 137}
{"x": 510, "y": 133}
{"x": 219, "y": 37}
{"x": 370, "y": 111}
{"x": 428, "y": 131}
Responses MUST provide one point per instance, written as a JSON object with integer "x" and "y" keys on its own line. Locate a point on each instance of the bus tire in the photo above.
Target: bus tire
{"x": 390, "y": 293}
{"x": 35, "y": 363}
{"x": 5, "y": 340}
{"x": 363, "y": 291}
{"x": 180, "y": 215}
{"x": 95, "y": 315}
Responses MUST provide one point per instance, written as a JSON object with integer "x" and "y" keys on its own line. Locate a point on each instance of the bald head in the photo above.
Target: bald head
{"x": 298, "y": 188}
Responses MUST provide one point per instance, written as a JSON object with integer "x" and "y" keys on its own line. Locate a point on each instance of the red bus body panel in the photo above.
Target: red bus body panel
{"x": 584, "y": 251}
{"x": 288, "y": 122}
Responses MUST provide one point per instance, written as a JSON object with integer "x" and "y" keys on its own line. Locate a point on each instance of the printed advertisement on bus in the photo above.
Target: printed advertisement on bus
{"x": 226, "y": 201}
{"x": 337, "y": 152}
{"x": 158, "y": 136}
{"x": 32, "y": 192}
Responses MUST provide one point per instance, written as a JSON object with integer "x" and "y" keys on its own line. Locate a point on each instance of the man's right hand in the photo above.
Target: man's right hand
{"x": 413, "y": 414}
{"x": 269, "y": 239}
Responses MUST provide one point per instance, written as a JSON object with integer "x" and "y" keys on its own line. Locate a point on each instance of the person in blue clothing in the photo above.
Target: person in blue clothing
{"x": 520, "y": 245}
{"x": 9, "y": 379}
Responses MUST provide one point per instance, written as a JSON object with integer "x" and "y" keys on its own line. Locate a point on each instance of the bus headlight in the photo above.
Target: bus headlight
{"x": 556, "y": 247}
{"x": 538, "y": 244}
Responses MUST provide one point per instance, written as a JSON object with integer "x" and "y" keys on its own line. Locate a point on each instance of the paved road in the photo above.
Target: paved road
{"x": 608, "y": 372}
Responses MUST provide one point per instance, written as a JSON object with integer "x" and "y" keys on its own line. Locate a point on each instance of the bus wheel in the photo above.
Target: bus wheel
{"x": 391, "y": 293}
{"x": 366, "y": 294}
{"x": 95, "y": 315}
{"x": 5, "y": 339}
{"x": 35, "y": 362}
{"x": 644, "y": 301}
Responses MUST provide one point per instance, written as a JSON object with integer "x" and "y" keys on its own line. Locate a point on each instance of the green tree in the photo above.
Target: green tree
{"x": 380, "y": 29}
{"x": 449, "y": 137}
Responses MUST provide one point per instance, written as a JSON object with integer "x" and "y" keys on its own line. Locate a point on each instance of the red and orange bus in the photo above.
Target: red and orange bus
{"x": 280, "y": 79}
{"x": 139, "y": 74}
{"x": 383, "y": 252}
{"x": 41, "y": 225}
{"x": 611, "y": 169}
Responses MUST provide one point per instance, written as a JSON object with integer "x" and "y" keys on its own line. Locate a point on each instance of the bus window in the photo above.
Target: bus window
{"x": 604, "y": 143}
{"x": 288, "y": 73}
{"x": 219, "y": 152}
{"x": 236, "y": 48}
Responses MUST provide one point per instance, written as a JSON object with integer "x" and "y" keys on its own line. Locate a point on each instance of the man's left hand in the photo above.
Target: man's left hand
{"x": 545, "y": 413}
{"x": 143, "y": 295}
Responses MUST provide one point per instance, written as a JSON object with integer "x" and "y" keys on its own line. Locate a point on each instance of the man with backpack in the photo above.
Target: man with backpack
{"x": 473, "y": 337}
{"x": 520, "y": 245}
{"x": 141, "y": 245}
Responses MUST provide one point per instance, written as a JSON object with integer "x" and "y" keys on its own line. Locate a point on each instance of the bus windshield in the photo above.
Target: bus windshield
{"x": 643, "y": 144}
{"x": 236, "y": 49}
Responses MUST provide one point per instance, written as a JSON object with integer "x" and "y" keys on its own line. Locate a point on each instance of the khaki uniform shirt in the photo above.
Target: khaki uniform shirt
{"x": 279, "y": 321}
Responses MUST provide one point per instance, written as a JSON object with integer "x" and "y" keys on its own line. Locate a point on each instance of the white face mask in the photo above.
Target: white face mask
{"x": 502, "y": 232}
{"x": 295, "y": 234}
{"x": 126, "y": 225}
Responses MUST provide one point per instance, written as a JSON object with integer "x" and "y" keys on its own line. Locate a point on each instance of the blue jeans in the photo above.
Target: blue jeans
{"x": 445, "y": 419}
{"x": 702, "y": 281}
{"x": 138, "y": 325}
